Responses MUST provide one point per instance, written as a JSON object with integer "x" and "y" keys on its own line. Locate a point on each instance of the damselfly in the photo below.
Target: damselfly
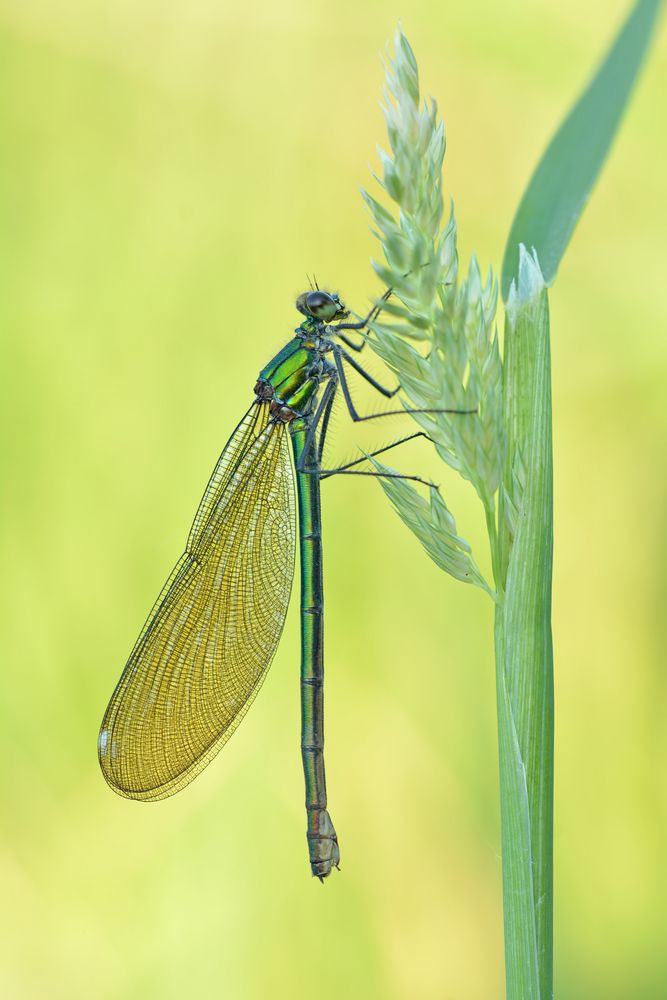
{"x": 212, "y": 633}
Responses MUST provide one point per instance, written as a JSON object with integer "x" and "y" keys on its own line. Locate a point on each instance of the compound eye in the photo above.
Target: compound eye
{"x": 321, "y": 305}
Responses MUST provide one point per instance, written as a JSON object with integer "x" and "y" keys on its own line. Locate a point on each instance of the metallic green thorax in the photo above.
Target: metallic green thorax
{"x": 293, "y": 376}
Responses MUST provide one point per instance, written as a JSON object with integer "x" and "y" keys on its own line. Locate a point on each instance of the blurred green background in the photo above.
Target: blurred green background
{"x": 169, "y": 172}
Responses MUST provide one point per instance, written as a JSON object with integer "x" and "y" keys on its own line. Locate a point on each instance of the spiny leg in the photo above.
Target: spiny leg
{"x": 351, "y": 344}
{"x": 389, "y": 393}
{"x": 338, "y": 358}
{"x": 347, "y": 470}
{"x": 326, "y": 414}
{"x": 322, "y": 415}
{"x": 324, "y": 474}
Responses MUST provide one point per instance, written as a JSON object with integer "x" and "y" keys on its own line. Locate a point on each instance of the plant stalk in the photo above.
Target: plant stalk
{"x": 524, "y": 655}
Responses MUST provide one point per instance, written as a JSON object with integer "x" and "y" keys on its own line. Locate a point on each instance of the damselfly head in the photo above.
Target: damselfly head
{"x": 325, "y": 306}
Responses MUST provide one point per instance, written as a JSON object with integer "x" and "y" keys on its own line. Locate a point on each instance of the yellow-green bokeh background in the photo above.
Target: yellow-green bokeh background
{"x": 169, "y": 172}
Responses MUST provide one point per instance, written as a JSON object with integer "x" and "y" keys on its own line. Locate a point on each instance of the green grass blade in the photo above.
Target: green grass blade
{"x": 522, "y": 973}
{"x": 524, "y": 656}
{"x": 562, "y": 182}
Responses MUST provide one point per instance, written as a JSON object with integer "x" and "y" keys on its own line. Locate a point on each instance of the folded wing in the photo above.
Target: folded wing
{"x": 210, "y": 638}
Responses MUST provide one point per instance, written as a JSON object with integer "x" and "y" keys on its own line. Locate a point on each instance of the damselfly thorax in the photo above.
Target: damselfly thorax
{"x": 291, "y": 380}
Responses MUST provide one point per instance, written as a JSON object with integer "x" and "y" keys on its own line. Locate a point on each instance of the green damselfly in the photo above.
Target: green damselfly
{"x": 208, "y": 642}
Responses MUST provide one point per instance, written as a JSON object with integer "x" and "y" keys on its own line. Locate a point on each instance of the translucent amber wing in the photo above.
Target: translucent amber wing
{"x": 208, "y": 642}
